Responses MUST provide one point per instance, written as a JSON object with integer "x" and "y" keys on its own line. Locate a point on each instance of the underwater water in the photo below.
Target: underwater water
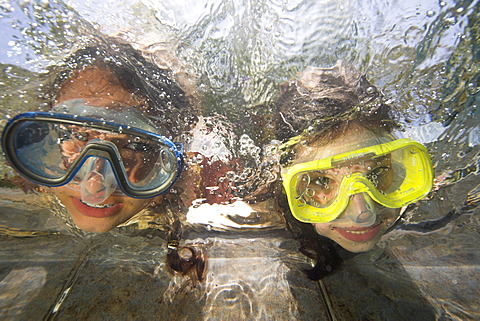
{"x": 425, "y": 57}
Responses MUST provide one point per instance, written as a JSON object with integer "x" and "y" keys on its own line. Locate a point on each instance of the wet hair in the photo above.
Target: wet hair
{"x": 318, "y": 248}
{"x": 317, "y": 106}
{"x": 168, "y": 105}
{"x": 186, "y": 260}
{"x": 323, "y": 102}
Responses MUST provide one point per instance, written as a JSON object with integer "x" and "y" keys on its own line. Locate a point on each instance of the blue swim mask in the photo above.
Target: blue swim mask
{"x": 100, "y": 150}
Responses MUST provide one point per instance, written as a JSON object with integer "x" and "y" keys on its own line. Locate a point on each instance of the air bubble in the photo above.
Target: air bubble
{"x": 471, "y": 88}
{"x": 310, "y": 192}
{"x": 271, "y": 177}
{"x": 451, "y": 20}
{"x": 6, "y": 7}
{"x": 430, "y": 13}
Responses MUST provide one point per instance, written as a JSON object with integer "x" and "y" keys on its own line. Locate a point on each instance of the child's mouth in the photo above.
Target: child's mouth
{"x": 97, "y": 205}
{"x": 95, "y": 210}
{"x": 359, "y": 234}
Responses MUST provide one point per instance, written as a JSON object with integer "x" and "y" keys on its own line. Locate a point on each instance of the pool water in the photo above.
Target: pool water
{"x": 424, "y": 55}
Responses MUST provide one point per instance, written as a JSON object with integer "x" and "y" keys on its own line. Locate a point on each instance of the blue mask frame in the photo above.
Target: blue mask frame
{"x": 13, "y": 133}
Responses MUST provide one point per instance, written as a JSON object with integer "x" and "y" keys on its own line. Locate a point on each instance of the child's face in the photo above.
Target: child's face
{"x": 98, "y": 87}
{"x": 343, "y": 230}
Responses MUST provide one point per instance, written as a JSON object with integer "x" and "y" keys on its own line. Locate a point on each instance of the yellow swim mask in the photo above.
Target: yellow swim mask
{"x": 394, "y": 174}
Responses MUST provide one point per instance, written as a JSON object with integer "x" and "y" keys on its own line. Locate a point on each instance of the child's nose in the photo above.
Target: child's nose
{"x": 361, "y": 209}
{"x": 95, "y": 183}
{"x": 99, "y": 181}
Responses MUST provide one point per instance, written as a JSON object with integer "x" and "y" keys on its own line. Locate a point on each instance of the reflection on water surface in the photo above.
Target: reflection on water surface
{"x": 423, "y": 56}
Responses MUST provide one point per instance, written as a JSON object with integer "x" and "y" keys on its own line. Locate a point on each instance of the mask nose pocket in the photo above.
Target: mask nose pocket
{"x": 361, "y": 210}
{"x": 365, "y": 218}
{"x": 98, "y": 181}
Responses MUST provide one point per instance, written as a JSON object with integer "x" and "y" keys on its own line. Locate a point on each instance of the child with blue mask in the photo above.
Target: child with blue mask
{"x": 105, "y": 146}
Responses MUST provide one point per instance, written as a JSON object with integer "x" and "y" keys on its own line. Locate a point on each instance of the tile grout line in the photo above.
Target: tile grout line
{"x": 327, "y": 301}
{"x": 68, "y": 285}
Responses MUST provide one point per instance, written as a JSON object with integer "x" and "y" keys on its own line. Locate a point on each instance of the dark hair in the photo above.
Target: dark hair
{"x": 322, "y": 101}
{"x": 319, "y": 248}
{"x": 320, "y": 104}
{"x": 168, "y": 105}
{"x": 187, "y": 260}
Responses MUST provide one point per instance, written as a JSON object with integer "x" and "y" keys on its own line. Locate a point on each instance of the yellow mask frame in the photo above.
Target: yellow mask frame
{"x": 412, "y": 179}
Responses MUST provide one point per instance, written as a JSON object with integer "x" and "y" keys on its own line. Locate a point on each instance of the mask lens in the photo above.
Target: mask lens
{"x": 153, "y": 166}
{"x": 36, "y": 147}
{"x": 411, "y": 176}
{"x": 315, "y": 188}
{"x": 380, "y": 173}
{"x": 167, "y": 160}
